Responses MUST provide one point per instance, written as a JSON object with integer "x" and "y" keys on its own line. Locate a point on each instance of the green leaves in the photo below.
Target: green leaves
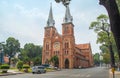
{"x": 118, "y": 4}
{"x": 101, "y": 24}
{"x": 102, "y": 28}
{"x": 96, "y": 59}
{"x": 55, "y": 60}
{"x": 19, "y": 65}
{"x": 104, "y": 36}
{"x": 12, "y": 46}
{"x": 31, "y": 53}
{"x": 103, "y": 18}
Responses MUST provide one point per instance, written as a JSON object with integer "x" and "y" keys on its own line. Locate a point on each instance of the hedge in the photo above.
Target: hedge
{"x": 26, "y": 66}
{"x": 4, "y": 66}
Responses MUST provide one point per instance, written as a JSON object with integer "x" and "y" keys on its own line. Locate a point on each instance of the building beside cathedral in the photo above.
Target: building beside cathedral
{"x": 70, "y": 54}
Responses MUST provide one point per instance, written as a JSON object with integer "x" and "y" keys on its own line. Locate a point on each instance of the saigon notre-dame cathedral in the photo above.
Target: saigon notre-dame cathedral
{"x": 70, "y": 54}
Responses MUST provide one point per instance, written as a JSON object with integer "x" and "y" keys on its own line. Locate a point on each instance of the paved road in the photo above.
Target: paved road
{"x": 96, "y": 72}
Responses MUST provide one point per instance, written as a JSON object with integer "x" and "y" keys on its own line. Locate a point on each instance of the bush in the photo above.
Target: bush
{"x": 19, "y": 65}
{"x": 25, "y": 68}
{"x": 4, "y": 68}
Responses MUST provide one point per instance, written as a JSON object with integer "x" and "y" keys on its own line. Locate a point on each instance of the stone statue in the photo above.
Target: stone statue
{"x": 64, "y": 2}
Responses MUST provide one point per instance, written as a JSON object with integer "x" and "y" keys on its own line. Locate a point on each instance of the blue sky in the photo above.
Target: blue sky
{"x": 25, "y": 20}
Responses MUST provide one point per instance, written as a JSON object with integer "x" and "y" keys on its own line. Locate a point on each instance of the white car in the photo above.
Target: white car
{"x": 38, "y": 69}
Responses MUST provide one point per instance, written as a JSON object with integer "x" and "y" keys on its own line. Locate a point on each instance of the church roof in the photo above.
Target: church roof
{"x": 50, "y": 21}
{"x": 83, "y": 46}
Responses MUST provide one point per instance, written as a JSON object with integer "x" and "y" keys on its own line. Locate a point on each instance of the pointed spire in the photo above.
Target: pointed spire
{"x": 68, "y": 18}
{"x": 50, "y": 21}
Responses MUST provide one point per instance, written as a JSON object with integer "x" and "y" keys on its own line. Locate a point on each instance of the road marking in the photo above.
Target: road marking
{"x": 88, "y": 75}
{"x": 82, "y": 75}
{"x": 77, "y": 75}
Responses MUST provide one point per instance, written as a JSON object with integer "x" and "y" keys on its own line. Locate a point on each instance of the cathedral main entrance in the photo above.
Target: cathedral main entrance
{"x": 66, "y": 63}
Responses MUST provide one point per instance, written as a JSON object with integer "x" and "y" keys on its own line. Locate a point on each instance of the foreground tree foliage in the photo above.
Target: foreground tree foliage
{"x": 105, "y": 37}
{"x": 31, "y": 54}
{"x": 55, "y": 60}
{"x": 12, "y": 46}
{"x": 112, "y": 7}
{"x": 96, "y": 57}
{"x": 19, "y": 65}
{"x": 118, "y": 4}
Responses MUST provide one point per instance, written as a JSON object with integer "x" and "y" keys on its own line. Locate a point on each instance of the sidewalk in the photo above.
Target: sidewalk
{"x": 117, "y": 74}
{"x": 11, "y": 72}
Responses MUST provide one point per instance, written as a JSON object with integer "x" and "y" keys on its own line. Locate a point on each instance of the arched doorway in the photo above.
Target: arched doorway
{"x": 66, "y": 63}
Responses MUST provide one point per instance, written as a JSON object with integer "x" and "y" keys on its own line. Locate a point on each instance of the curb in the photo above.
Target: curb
{"x": 116, "y": 73}
{"x": 6, "y": 74}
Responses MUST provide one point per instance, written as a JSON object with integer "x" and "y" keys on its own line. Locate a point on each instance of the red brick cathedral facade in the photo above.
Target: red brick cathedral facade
{"x": 63, "y": 45}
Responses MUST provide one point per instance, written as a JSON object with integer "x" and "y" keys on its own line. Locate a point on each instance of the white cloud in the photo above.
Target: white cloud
{"x": 25, "y": 24}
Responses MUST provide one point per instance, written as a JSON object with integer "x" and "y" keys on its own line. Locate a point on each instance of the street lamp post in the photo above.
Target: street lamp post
{"x": 101, "y": 58}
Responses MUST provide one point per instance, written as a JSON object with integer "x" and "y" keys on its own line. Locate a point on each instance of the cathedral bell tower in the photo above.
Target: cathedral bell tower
{"x": 49, "y": 32}
{"x": 50, "y": 28}
{"x": 68, "y": 38}
{"x": 67, "y": 26}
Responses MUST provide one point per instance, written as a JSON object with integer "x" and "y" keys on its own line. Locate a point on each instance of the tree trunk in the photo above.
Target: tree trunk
{"x": 9, "y": 61}
{"x": 114, "y": 16}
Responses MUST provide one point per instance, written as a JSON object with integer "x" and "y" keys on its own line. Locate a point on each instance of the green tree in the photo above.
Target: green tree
{"x": 12, "y": 47}
{"x": 19, "y": 65}
{"x": 114, "y": 14}
{"x": 37, "y": 60}
{"x": 55, "y": 60}
{"x": 96, "y": 57}
{"x": 102, "y": 28}
{"x": 106, "y": 57}
{"x": 105, "y": 53}
{"x": 118, "y": 4}
{"x": 105, "y": 37}
{"x": 31, "y": 53}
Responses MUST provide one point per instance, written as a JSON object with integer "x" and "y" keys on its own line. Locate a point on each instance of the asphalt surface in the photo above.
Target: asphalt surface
{"x": 96, "y": 72}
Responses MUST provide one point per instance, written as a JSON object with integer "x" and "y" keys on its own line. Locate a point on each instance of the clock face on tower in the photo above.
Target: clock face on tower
{"x": 56, "y": 45}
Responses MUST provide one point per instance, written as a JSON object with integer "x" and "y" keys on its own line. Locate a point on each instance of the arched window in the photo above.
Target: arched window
{"x": 66, "y": 52}
{"x": 66, "y": 45}
{"x": 47, "y": 46}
